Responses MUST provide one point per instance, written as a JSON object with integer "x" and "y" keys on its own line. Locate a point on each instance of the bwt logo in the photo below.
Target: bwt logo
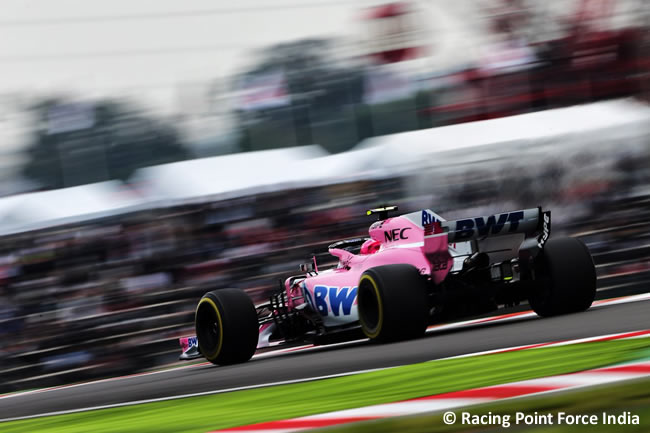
{"x": 395, "y": 234}
{"x": 494, "y": 224}
{"x": 427, "y": 218}
{"x": 430, "y": 223}
{"x": 546, "y": 230}
{"x": 342, "y": 298}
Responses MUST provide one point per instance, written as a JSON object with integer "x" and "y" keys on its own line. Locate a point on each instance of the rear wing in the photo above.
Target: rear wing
{"x": 531, "y": 222}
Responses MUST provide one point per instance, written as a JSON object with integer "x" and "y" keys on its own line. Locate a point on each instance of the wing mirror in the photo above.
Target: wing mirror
{"x": 309, "y": 267}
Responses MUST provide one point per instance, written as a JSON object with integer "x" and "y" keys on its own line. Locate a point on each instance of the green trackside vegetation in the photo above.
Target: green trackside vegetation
{"x": 205, "y": 413}
{"x": 631, "y": 398}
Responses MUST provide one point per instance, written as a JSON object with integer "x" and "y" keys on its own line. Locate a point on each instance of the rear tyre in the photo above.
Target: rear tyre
{"x": 226, "y": 326}
{"x": 566, "y": 278}
{"x": 393, "y": 303}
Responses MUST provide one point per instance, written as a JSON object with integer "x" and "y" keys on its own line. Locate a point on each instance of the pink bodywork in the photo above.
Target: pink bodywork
{"x": 392, "y": 241}
{"x": 400, "y": 240}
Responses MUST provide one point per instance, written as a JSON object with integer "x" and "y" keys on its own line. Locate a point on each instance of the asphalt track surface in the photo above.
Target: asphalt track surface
{"x": 333, "y": 360}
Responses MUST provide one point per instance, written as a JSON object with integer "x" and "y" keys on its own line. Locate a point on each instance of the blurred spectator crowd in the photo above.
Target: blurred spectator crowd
{"x": 112, "y": 297}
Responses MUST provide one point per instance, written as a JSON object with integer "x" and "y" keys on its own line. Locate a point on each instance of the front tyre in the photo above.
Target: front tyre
{"x": 226, "y": 326}
{"x": 566, "y": 278}
{"x": 393, "y": 303}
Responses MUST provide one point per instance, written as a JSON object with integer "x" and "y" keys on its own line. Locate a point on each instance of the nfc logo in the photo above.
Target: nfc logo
{"x": 396, "y": 234}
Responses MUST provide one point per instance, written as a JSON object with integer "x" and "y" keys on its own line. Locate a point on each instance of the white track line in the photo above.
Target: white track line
{"x": 310, "y": 347}
{"x": 456, "y": 399}
{"x": 286, "y": 382}
{"x": 195, "y": 394}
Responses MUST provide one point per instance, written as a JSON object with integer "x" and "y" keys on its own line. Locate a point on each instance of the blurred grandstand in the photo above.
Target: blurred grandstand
{"x": 112, "y": 231}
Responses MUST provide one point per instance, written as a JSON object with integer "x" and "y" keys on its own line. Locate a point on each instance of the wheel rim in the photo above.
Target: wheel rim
{"x": 209, "y": 331}
{"x": 370, "y": 312}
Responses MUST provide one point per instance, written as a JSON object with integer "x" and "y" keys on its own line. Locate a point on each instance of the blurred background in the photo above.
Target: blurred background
{"x": 154, "y": 150}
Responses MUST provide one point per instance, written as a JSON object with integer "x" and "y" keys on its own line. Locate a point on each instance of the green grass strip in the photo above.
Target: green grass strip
{"x": 631, "y": 398}
{"x": 201, "y": 414}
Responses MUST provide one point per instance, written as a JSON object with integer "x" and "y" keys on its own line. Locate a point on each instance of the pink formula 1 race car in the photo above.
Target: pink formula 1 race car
{"x": 414, "y": 270}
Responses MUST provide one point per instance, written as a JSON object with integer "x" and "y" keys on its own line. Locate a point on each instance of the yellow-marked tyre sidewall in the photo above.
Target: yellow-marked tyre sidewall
{"x": 212, "y": 356}
{"x": 380, "y": 309}
{"x": 393, "y": 303}
{"x": 234, "y": 314}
